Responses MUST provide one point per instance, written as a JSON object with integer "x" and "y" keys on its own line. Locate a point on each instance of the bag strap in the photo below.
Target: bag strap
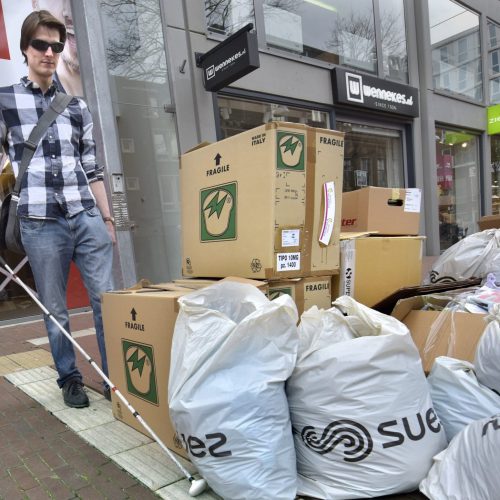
{"x": 57, "y": 106}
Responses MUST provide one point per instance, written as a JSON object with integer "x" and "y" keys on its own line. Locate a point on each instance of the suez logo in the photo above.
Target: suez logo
{"x": 356, "y": 92}
{"x": 357, "y": 442}
{"x": 211, "y": 71}
{"x": 211, "y": 445}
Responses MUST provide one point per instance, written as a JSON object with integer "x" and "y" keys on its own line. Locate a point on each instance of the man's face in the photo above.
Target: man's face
{"x": 42, "y": 64}
{"x": 62, "y": 10}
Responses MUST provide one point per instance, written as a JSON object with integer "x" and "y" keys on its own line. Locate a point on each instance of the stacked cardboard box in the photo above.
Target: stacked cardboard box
{"x": 380, "y": 251}
{"x": 266, "y": 204}
{"x": 263, "y": 204}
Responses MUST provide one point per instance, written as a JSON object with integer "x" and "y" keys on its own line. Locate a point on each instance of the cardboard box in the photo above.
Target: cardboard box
{"x": 138, "y": 329}
{"x": 373, "y": 267}
{"x": 306, "y": 292}
{"x": 263, "y": 204}
{"x": 489, "y": 222}
{"x": 456, "y": 334}
{"x": 386, "y": 211}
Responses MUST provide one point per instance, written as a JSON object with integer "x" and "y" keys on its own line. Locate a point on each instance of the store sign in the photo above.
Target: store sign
{"x": 232, "y": 59}
{"x": 493, "y": 119}
{"x": 374, "y": 93}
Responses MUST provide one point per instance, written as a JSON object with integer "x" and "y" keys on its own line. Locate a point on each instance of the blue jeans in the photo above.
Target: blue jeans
{"x": 51, "y": 245}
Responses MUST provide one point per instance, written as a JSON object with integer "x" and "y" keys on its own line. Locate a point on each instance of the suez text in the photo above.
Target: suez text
{"x": 199, "y": 448}
{"x": 430, "y": 421}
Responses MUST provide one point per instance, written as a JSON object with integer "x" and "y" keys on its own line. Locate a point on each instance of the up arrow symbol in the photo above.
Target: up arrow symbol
{"x": 133, "y": 312}
{"x": 217, "y": 159}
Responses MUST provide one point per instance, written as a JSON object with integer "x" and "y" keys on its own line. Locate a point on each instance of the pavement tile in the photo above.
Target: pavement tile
{"x": 23, "y": 477}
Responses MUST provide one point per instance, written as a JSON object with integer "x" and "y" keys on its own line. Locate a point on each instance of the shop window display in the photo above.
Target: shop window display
{"x": 457, "y": 168}
{"x": 373, "y": 156}
{"x": 495, "y": 174}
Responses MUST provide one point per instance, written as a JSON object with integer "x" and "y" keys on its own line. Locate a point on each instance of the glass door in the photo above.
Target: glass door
{"x": 136, "y": 61}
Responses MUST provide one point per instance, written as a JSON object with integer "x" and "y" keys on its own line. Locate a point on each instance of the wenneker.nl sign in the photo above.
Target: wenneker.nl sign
{"x": 374, "y": 93}
{"x": 231, "y": 59}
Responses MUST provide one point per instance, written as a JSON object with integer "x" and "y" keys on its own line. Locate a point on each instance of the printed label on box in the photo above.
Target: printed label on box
{"x": 290, "y": 237}
{"x": 328, "y": 212}
{"x": 347, "y": 267}
{"x": 288, "y": 261}
{"x": 412, "y": 200}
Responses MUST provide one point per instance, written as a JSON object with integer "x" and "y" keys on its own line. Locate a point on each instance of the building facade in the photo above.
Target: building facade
{"x": 408, "y": 81}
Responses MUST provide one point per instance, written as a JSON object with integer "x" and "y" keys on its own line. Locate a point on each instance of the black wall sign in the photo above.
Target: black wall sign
{"x": 374, "y": 93}
{"x": 231, "y": 59}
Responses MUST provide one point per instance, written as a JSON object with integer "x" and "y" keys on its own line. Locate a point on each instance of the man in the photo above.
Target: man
{"x": 63, "y": 209}
{"x": 68, "y": 68}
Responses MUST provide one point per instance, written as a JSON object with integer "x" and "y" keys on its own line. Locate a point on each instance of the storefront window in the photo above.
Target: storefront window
{"x": 373, "y": 156}
{"x": 334, "y": 31}
{"x": 238, "y": 115}
{"x": 227, "y": 16}
{"x": 393, "y": 35}
{"x": 495, "y": 174}
{"x": 135, "y": 55}
{"x": 457, "y": 165}
{"x": 456, "y": 49}
{"x": 494, "y": 61}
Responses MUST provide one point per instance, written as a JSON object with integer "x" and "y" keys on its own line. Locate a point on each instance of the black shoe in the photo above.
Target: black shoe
{"x": 107, "y": 393}
{"x": 73, "y": 394}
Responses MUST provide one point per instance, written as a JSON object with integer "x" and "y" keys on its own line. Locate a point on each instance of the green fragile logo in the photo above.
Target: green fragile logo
{"x": 140, "y": 370}
{"x": 274, "y": 293}
{"x": 290, "y": 151}
{"x": 218, "y": 212}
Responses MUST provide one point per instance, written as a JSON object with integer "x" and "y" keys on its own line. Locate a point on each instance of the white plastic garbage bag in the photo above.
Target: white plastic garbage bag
{"x": 362, "y": 416}
{"x": 474, "y": 256}
{"x": 469, "y": 469}
{"x": 487, "y": 360}
{"x": 232, "y": 352}
{"x": 457, "y": 395}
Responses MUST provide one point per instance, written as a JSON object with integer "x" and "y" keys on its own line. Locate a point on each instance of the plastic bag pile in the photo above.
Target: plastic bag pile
{"x": 362, "y": 418}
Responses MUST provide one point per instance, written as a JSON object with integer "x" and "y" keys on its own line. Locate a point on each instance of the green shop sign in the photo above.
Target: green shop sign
{"x": 494, "y": 119}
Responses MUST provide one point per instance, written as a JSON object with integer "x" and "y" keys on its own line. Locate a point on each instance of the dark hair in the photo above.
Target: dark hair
{"x": 33, "y": 21}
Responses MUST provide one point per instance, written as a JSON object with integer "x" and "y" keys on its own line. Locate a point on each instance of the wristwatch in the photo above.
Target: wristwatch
{"x": 109, "y": 219}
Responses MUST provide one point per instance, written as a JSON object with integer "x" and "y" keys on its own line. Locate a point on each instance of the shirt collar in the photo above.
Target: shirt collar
{"x": 33, "y": 85}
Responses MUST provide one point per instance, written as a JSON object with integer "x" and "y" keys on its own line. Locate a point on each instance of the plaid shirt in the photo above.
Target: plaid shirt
{"x": 64, "y": 164}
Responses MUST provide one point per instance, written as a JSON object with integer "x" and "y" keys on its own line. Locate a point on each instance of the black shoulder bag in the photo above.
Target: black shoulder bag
{"x": 10, "y": 232}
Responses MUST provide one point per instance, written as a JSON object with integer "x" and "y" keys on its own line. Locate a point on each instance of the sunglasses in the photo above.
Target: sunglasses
{"x": 43, "y": 46}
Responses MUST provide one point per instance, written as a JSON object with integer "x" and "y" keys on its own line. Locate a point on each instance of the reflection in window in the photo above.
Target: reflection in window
{"x": 393, "y": 36}
{"x": 494, "y": 60}
{"x": 227, "y": 16}
{"x": 134, "y": 40}
{"x": 457, "y": 168}
{"x": 455, "y": 29}
{"x": 238, "y": 115}
{"x": 372, "y": 156}
{"x": 334, "y": 31}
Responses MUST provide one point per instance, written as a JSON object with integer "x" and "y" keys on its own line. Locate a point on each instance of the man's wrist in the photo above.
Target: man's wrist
{"x": 109, "y": 219}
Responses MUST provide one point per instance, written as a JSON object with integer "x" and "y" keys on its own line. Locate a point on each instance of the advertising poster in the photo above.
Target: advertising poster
{"x": 12, "y": 66}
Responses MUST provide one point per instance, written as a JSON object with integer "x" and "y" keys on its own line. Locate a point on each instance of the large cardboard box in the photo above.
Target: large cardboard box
{"x": 454, "y": 334}
{"x": 138, "y": 329}
{"x": 263, "y": 204}
{"x": 489, "y": 222}
{"x": 373, "y": 267}
{"x": 306, "y": 292}
{"x": 388, "y": 211}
